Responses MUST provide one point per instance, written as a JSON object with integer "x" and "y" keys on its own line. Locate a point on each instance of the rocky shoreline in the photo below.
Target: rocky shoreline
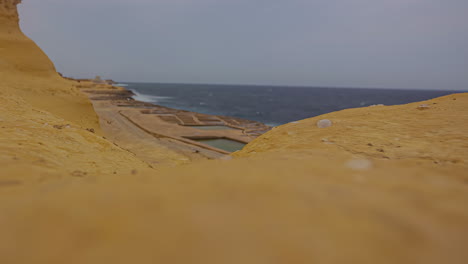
{"x": 177, "y": 130}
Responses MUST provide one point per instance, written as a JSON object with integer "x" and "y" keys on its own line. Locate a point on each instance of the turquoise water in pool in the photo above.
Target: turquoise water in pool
{"x": 224, "y": 144}
{"x": 213, "y": 127}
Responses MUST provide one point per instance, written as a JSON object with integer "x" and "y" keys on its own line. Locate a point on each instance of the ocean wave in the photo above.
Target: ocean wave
{"x": 149, "y": 98}
{"x": 273, "y": 124}
{"x": 121, "y": 84}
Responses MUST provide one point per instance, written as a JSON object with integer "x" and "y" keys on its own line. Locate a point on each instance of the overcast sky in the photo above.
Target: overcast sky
{"x": 340, "y": 43}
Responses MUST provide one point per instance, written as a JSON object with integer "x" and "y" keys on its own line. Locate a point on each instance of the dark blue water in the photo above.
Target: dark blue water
{"x": 272, "y": 105}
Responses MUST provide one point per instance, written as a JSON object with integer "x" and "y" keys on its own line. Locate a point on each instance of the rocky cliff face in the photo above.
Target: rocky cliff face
{"x": 17, "y": 52}
{"x": 380, "y": 185}
{"x": 8, "y": 10}
{"x": 26, "y": 71}
{"x": 43, "y": 117}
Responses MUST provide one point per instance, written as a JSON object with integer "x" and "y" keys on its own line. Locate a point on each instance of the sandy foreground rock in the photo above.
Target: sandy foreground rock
{"x": 380, "y": 185}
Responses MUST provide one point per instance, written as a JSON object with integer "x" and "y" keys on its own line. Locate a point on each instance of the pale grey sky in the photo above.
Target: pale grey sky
{"x": 340, "y": 43}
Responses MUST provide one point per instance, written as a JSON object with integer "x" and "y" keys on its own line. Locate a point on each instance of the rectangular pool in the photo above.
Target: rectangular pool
{"x": 222, "y": 143}
{"x": 213, "y": 127}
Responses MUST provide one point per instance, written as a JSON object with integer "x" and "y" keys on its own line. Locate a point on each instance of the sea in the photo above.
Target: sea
{"x": 272, "y": 105}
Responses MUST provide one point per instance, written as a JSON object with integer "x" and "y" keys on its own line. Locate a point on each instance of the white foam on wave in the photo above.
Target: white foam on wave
{"x": 273, "y": 124}
{"x": 149, "y": 98}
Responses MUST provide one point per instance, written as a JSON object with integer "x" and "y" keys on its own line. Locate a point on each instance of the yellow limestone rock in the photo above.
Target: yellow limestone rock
{"x": 382, "y": 185}
{"x": 25, "y": 70}
{"x": 45, "y": 122}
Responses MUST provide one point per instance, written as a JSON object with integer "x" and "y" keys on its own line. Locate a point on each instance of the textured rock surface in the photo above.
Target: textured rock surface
{"x": 382, "y": 185}
{"x": 26, "y": 71}
{"x": 324, "y": 123}
{"x": 8, "y": 11}
{"x": 434, "y": 137}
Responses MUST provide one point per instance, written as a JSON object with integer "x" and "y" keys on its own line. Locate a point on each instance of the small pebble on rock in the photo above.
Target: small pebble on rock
{"x": 359, "y": 164}
{"x": 324, "y": 123}
{"x": 62, "y": 126}
{"x": 227, "y": 157}
{"x": 78, "y": 173}
{"x": 423, "y": 107}
{"x": 327, "y": 141}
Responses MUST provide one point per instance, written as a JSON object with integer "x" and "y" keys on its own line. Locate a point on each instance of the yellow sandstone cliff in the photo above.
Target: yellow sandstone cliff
{"x": 44, "y": 117}
{"x": 381, "y": 185}
{"x": 26, "y": 71}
